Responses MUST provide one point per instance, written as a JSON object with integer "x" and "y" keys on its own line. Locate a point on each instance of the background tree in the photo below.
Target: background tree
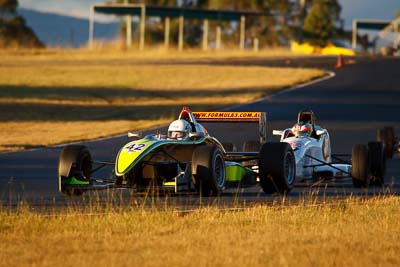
{"x": 271, "y": 29}
{"x": 154, "y": 27}
{"x": 319, "y": 26}
{"x": 13, "y": 28}
{"x": 276, "y": 28}
{"x": 8, "y": 7}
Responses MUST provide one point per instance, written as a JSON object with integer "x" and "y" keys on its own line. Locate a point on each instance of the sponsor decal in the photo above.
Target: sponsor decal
{"x": 227, "y": 115}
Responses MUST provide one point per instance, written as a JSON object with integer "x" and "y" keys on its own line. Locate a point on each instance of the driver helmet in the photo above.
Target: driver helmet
{"x": 179, "y": 129}
{"x": 302, "y": 129}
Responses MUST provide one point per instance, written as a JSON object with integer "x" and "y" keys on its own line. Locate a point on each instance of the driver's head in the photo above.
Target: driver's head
{"x": 306, "y": 116}
{"x": 179, "y": 129}
{"x": 302, "y": 129}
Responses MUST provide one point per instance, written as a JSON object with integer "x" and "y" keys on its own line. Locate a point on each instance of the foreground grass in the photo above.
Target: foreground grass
{"x": 47, "y": 98}
{"x": 349, "y": 233}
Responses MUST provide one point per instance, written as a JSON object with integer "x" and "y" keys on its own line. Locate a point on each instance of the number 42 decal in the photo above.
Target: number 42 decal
{"x": 135, "y": 147}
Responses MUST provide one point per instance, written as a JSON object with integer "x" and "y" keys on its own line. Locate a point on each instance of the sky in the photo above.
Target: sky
{"x": 351, "y": 9}
{"x": 75, "y": 8}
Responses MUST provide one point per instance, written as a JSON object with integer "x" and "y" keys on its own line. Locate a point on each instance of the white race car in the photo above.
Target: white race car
{"x": 314, "y": 161}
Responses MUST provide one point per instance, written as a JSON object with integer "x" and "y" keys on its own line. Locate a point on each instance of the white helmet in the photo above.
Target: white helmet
{"x": 179, "y": 129}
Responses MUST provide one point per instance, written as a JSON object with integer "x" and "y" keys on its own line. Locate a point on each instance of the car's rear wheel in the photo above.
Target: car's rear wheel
{"x": 75, "y": 163}
{"x": 377, "y": 163}
{"x": 208, "y": 169}
{"x": 360, "y": 166}
{"x": 277, "y": 168}
{"x": 386, "y": 135}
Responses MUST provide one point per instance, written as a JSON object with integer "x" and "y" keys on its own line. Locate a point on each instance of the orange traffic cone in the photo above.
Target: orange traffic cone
{"x": 340, "y": 62}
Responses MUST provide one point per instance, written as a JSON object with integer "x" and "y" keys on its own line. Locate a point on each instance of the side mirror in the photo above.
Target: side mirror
{"x": 196, "y": 135}
{"x": 320, "y": 132}
{"x": 277, "y": 132}
{"x": 134, "y": 135}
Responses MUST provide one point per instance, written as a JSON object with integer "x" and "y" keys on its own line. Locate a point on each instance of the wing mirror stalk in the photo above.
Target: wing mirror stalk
{"x": 135, "y": 135}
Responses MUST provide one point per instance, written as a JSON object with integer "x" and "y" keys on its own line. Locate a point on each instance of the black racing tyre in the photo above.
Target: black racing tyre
{"x": 386, "y": 135}
{"x": 251, "y": 146}
{"x": 75, "y": 160}
{"x": 390, "y": 141}
{"x": 360, "y": 166}
{"x": 229, "y": 147}
{"x": 208, "y": 169}
{"x": 377, "y": 163}
{"x": 277, "y": 168}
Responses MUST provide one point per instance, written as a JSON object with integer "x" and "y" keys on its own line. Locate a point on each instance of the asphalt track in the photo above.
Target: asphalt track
{"x": 360, "y": 99}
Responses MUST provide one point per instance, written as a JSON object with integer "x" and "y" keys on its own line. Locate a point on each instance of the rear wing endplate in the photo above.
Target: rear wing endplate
{"x": 232, "y": 117}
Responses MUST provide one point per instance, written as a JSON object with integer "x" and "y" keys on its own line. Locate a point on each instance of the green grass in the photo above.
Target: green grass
{"x": 351, "y": 232}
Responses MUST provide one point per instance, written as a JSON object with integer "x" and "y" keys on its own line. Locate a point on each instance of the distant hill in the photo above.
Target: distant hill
{"x": 64, "y": 31}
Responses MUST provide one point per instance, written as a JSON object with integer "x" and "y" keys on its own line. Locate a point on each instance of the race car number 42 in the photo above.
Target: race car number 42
{"x": 135, "y": 147}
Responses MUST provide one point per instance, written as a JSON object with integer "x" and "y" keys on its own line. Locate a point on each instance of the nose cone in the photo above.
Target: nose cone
{"x": 130, "y": 154}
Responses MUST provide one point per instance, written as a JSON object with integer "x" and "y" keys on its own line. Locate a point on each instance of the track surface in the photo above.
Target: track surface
{"x": 360, "y": 99}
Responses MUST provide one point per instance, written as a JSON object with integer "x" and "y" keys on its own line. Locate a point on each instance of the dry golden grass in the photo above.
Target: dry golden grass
{"x": 27, "y": 134}
{"x": 150, "y": 80}
{"x": 349, "y": 233}
{"x": 100, "y": 53}
{"x": 49, "y": 98}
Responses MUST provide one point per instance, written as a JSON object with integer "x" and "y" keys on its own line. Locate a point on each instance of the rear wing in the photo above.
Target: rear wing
{"x": 232, "y": 117}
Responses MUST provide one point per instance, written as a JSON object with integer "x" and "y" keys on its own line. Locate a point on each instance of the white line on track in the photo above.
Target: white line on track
{"x": 329, "y": 75}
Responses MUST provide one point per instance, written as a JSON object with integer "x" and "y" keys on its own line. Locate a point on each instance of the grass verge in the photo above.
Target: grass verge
{"x": 352, "y": 232}
{"x": 107, "y": 53}
{"x": 54, "y": 99}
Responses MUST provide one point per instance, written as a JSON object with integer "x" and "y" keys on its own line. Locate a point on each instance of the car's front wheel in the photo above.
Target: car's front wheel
{"x": 208, "y": 169}
{"x": 360, "y": 168}
{"x": 377, "y": 162}
{"x": 74, "y": 168}
{"x": 277, "y": 168}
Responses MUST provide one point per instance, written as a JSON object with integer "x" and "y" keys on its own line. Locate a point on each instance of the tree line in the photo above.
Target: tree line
{"x": 13, "y": 29}
{"x": 313, "y": 21}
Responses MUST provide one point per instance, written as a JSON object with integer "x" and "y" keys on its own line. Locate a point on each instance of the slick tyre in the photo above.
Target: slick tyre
{"x": 208, "y": 169}
{"x": 360, "y": 166}
{"x": 377, "y": 163}
{"x": 386, "y": 136}
{"x": 75, "y": 161}
{"x": 277, "y": 168}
